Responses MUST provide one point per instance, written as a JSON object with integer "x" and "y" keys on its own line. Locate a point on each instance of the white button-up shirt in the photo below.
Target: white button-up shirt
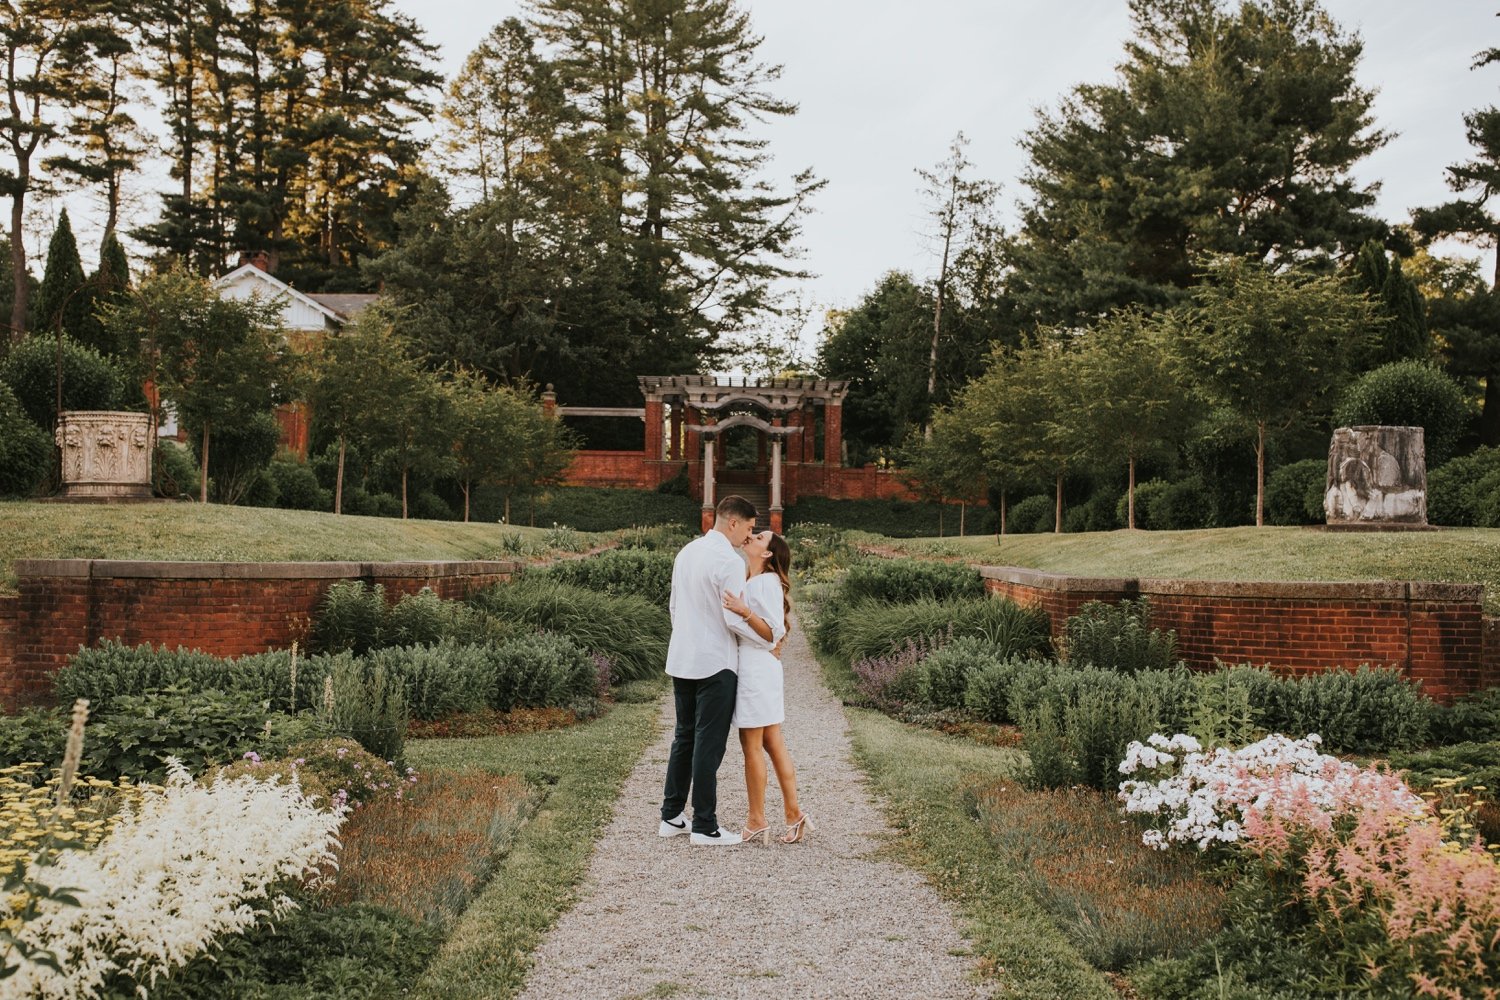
{"x": 703, "y": 630}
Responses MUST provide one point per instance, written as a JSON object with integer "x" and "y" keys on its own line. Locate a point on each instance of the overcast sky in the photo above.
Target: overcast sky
{"x": 883, "y": 85}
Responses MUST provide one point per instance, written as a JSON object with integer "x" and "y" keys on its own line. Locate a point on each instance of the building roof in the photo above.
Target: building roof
{"x": 276, "y": 288}
{"x": 346, "y": 304}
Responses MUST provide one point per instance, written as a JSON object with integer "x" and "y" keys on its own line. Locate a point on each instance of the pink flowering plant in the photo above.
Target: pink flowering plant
{"x": 1377, "y": 881}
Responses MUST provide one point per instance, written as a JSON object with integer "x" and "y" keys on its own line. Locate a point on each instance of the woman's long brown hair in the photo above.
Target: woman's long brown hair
{"x": 780, "y": 563}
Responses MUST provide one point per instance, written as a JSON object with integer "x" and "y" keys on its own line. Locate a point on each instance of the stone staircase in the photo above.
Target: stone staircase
{"x": 758, "y": 495}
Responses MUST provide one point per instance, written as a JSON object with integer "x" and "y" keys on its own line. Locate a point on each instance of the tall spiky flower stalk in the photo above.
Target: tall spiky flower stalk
{"x": 74, "y": 752}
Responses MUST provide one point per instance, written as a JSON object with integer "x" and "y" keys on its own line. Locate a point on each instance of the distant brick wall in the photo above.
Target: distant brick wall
{"x": 228, "y": 609}
{"x": 1433, "y": 632}
{"x": 632, "y": 470}
{"x": 622, "y": 469}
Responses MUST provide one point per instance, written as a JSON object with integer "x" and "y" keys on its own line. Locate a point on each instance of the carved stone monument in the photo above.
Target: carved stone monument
{"x": 106, "y": 455}
{"x": 1377, "y": 477}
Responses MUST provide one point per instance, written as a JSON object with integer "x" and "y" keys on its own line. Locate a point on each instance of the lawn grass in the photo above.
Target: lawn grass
{"x": 219, "y": 533}
{"x": 583, "y": 768}
{"x": 925, "y": 781}
{"x": 1459, "y": 555}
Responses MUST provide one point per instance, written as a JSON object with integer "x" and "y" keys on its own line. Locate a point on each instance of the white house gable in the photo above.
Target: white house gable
{"x": 298, "y": 311}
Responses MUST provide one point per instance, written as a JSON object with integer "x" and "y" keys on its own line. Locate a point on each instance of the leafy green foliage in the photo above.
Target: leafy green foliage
{"x": 945, "y": 676}
{"x": 351, "y": 617}
{"x": 989, "y": 692}
{"x": 600, "y": 509}
{"x": 175, "y": 473}
{"x": 442, "y": 679}
{"x": 1118, "y": 637}
{"x": 873, "y": 628}
{"x": 892, "y": 518}
{"x": 25, "y": 452}
{"x": 1465, "y": 491}
{"x": 1035, "y": 515}
{"x": 1361, "y": 711}
{"x": 297, "y": 485}
{"x": 905, "y": 580}
{"x": 1409, "y": 394}
{"x": 1294, "y": 493}
{"x": 90, "y": 381}
{"x": 138, "y": 732}
{"x": 628, "y": 629}
{"x": 1474, "y": 717}
{"x": 619, "y": 572}
{"x": 542, "y": 669}
{"x": 365, "y": 701}
{"x": 1468, "y": 764}
{"x": 239, "y": 457}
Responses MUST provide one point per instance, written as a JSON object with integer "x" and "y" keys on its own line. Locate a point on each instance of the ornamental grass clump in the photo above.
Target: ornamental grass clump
{"x": 183, "y": 866}
{"x": 1116, "y": 900}
{"x": 428, "y": 853}
{"x": 872, "y": 628}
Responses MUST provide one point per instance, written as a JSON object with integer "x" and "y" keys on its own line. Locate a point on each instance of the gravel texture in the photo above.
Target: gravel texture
{"x": 828, "y": 918}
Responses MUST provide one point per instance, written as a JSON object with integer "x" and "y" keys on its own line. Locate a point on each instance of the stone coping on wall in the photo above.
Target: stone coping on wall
{"x": 1312, "y": 590}
{"x": 97, "y": 569}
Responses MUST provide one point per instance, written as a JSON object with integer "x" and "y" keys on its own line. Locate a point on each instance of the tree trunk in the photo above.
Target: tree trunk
{"x": 203, "y": 467}
{"x": 338, "y": 481}
{"x": 507, "y": 508}
{"x": 963, "y": 509}
{"x": 20, "y": 288}
{"x": 941, "y": 507}
{"x": 1489, "y": 416}
{"x": 1002, "y": 516}
{"x": 1130, "y": 496}
{"x": 403, "y": 493}
{"x": 1057, "y": 526}
{"x": 1260, "y": 474}
{"x": 466, "y": 501}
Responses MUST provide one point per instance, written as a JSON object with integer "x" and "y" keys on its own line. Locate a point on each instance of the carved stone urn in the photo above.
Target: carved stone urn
{"x": 106, "y": 455}
{"x": 1377, "y": 477}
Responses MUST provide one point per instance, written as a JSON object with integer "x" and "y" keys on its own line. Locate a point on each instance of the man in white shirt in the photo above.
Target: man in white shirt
{"x": 703, "y": 661}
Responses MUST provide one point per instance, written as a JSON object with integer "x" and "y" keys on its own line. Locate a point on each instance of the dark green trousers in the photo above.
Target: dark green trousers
{"x": 704, "y": 710}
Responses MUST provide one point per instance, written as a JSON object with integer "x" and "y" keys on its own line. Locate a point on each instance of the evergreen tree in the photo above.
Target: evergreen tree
{"x": 1230, "y": 128}
{"x": 108, "y": 287}
{"x": 63, "y": 300}
{"x": 1404, "y": 335}
{"x": 665, "y": 94}
{"x": 43, "y": 50}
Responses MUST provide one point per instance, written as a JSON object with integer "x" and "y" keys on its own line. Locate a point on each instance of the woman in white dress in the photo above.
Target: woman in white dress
{"x": 758, "y": 708}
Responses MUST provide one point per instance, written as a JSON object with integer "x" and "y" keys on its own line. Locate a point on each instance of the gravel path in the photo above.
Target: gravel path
{"x": 829, "y": 918}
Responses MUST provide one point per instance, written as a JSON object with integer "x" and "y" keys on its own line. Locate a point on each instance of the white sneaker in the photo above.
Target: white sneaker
{"x": 719, "y": 838}
{"x": 673, "y": 827}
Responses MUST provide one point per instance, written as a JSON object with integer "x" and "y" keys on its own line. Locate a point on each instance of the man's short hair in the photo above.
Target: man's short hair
{"x": 736, "y": 506}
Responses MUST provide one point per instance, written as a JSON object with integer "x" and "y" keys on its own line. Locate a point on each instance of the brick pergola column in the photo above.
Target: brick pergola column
{"x": 833, "y": 434}
{"x": 654, "y": 418}
{"x": 809, "y": 435}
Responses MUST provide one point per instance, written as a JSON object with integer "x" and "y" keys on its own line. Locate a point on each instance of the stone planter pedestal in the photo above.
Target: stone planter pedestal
{"x": 106, "y": 455}
{"x": 1377, "y": 479}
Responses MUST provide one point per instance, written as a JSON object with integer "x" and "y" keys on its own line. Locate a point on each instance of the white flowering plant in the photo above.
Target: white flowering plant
{"x": 185, "y": 865}
{"x": 1205, "y": 799}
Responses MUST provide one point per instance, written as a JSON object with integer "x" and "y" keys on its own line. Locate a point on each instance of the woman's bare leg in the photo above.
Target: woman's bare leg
{"x": 755, "y": 776}
{"x": 786, "y": 772}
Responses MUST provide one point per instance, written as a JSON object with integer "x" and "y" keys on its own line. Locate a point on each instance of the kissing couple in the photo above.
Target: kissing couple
{"x": 729, "y": 617}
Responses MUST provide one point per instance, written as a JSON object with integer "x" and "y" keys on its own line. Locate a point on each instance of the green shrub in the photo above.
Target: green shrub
{"x": 297, "y": 486}
{"x": 1118, "y": 637}
{"x": 26, "y": 456}
{"x": 1102, "y": 511}
{"x": 945, "y": 675}
{"x": 428, "y": 506}
{"x": 439, "y": 680}
{"x": 1469, "y": 765}
{"x": 619, "y": 571}
{"x": 90, "y": 380}
{"x": 628, "y": 629}
{"x": 1180, "y": 506}
{"x": 112, "y": 669}
{"x": 36, "y": 734}
{"x": 1294, "y": 493}
{"x": 238, "y": 455}
{"x": 1364, "y": 711}
{"x": 363, "y": 701}
{"x": 892, "y": 518}
{"x": 1472, "y": 718}
{"x": 655, "y": 538}
{"x": 597, "y": 509}
{"x": 312, "y": 952}
{"x": 906, "y": 580}
{"x": 174, "y": 473}
{"x": 350, "y": 618}
{"x": 1224, "y": 710}
{"x": 1078, "y": 722}
{"x": 1033, "y": 516}
{"x": 541, "y": 670}
{"x": 1462, "y": 490}
{"x": 874, "y": 628}
{"x": 1146, "y": 495}
{"x": 136, "y": 735}
{"x": 988, "y": 694}
{"x": 1409, "y": 394}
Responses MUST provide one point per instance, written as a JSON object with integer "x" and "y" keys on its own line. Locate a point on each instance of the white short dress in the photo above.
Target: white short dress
{"x": 758, "y": 701}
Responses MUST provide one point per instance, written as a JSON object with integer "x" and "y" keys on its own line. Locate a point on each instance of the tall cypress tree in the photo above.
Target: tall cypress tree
{"x": 62, "y": 297}
{"x": 1404, "y": 334}
{"x": 109, "y": 286}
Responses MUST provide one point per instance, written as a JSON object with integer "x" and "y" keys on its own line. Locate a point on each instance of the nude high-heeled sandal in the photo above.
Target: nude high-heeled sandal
{"x": 798, "y": 831}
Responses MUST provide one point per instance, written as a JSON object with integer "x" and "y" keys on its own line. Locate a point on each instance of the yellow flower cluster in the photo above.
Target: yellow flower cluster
{"x": 32, "y": 822}
{"x": 1453, "y": 803}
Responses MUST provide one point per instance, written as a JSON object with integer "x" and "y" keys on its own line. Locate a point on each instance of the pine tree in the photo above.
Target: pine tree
{"x": 1404, "y": 334}
{"x": 109, "y": 287}
{"x": 63, "y": 300}
{"x": 1186, "y": 151}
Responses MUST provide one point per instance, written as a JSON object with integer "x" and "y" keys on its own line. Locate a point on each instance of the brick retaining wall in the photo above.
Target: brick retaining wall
{"x": 1433, "y": 632}
{"x": 228, "y": 609}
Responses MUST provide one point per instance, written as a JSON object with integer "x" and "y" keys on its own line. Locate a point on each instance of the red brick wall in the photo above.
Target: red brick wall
{"x": 625, "y": 469}
{"x": 1433, "y": 632}
{"x": 10, "y": 608}
{"x": 227, "y": 609}
{"x": 632, "y": 470}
